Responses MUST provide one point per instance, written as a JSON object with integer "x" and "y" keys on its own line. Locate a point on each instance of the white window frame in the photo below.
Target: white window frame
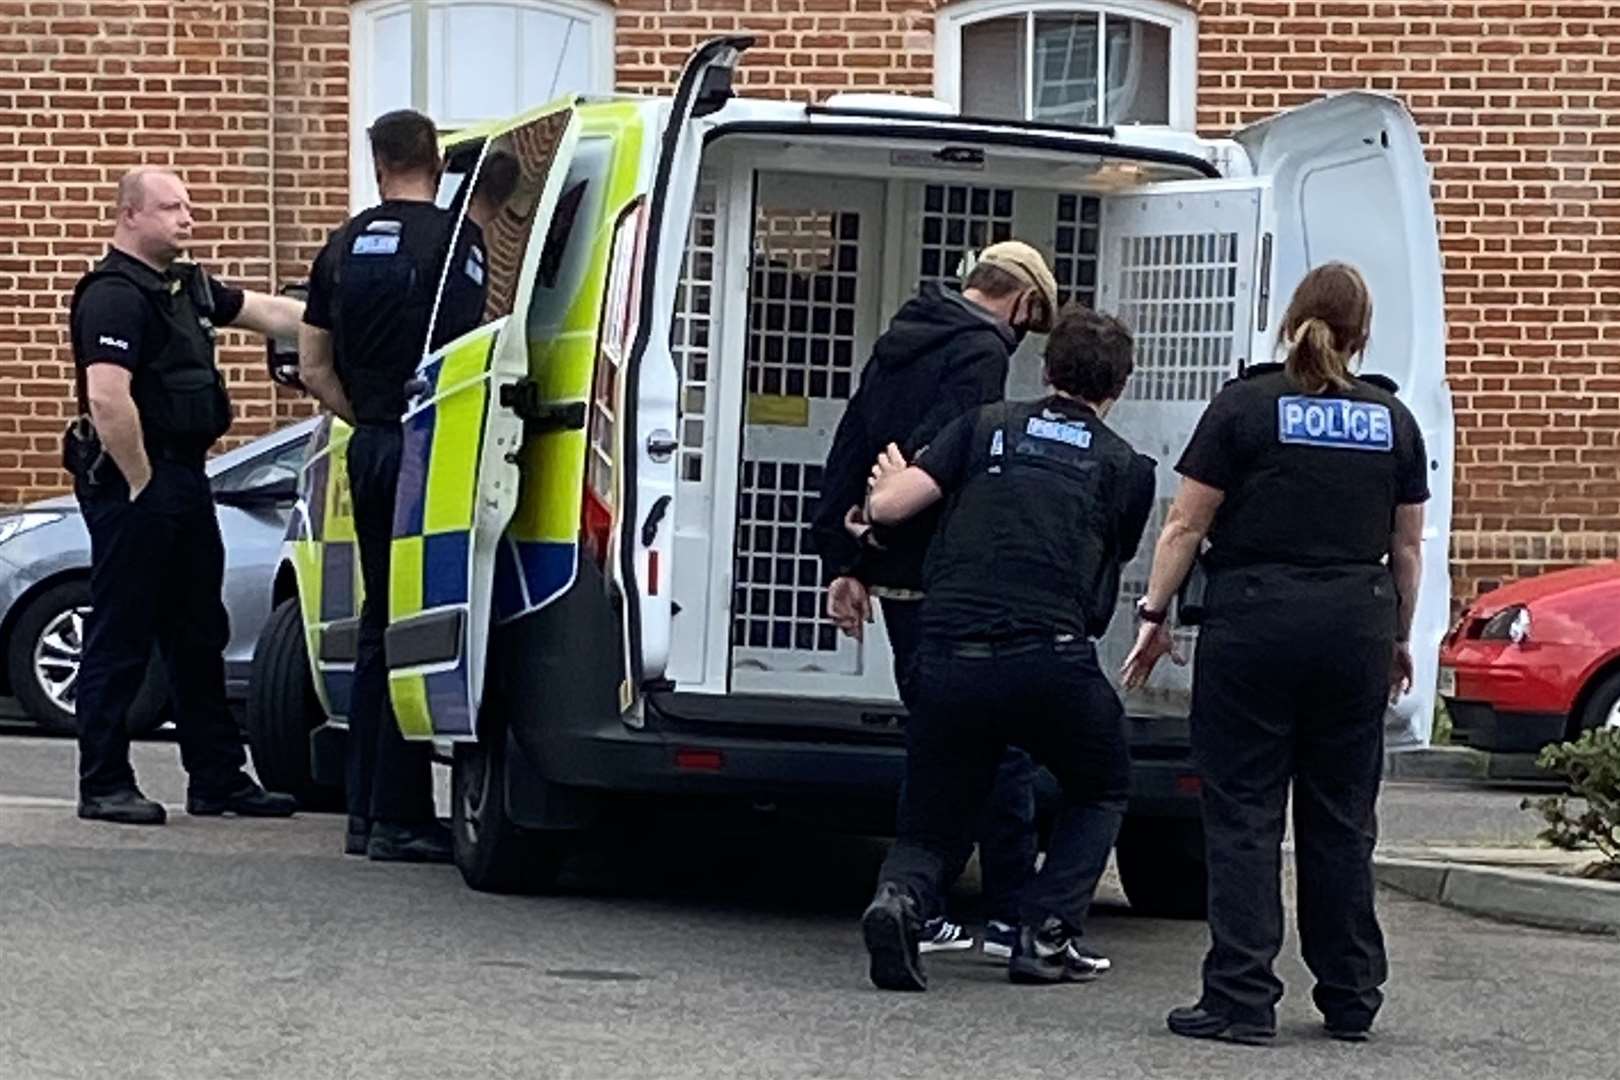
{"x": 598, "y": 14}
{"x": 1182, "y": 22}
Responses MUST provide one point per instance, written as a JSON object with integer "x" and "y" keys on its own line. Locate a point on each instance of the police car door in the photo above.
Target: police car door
{"x": 459, "y": 478}
{"x": 1348, "y": 182}
{"x": 641, "y": 546}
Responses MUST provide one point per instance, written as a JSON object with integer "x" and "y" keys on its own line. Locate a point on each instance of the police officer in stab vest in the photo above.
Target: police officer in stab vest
{"x": 1045, "y": 503}
{"x": 371, "y": 297}
{"x": 152, "y": 403}
{"x": 1310, "y": 484}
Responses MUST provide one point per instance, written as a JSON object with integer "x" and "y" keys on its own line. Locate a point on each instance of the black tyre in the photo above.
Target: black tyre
{"x": 43, "y": 658}
{"x": 282, "y": 710}
{"x": 1602, "y": 707}
{"x": 1161, "y": 865}
{"x": 494, "y": 854}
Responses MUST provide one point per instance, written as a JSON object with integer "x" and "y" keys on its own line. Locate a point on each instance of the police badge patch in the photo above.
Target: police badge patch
{"x": 1335, "y": 423}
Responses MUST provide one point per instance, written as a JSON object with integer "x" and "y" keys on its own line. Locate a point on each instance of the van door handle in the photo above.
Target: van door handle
{"x": 660, "y": 445}
{"x": 655, "y": 516}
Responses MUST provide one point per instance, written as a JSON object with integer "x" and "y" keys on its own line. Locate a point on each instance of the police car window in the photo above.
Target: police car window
{"x": 282, "y": 463}
{"x": 459, "y": 163}
{"x": 566, "y": 259}
{"x": 482, "y": 280}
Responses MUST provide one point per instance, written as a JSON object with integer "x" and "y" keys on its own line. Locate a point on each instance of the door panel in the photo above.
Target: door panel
{"x": 1349, "y": 182}
{"x": 328, "y": 565}
{"x": 814, "y": 314}
{"x": 1178, "y": 267}
{"x": 459, "y": 477}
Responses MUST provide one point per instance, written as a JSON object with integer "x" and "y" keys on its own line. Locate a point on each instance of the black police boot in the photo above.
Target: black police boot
{"x": 249, "y": 800}
{"x": 357, "y": 836}
{"x": 425, "y": 843}
{"x": 125, "y": 807}
{"x": 890, "y": 925}
{"x": 1353, "y": 1029}
{"x": 1048, "y": 954}
{"x": 1197, "y": 1022}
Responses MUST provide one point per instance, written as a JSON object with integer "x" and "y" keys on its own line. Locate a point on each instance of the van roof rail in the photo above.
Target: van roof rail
{"x": 1103, "y": 130}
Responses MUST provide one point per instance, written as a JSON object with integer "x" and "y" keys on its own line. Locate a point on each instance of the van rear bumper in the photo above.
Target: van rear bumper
{"x": 668, "y": 758}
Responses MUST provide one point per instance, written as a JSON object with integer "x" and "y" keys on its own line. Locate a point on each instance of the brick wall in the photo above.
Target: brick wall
{"x": 1519, "y": 105}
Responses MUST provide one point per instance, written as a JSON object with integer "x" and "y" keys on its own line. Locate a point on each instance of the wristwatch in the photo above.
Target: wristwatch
{"x": 1148, "y": 615}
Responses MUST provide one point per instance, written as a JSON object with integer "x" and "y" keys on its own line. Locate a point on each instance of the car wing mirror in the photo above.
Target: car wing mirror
{"x": 281, "y": 355}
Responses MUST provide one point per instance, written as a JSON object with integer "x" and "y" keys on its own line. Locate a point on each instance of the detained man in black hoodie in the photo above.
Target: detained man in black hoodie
{"x": 945, "y": 354}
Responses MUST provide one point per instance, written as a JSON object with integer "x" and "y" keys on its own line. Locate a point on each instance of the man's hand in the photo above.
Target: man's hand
{"x": 1153, "y": 641}
{"x": 857, "y": 526}
{"x": 849, "y": 605}
{"x": 890, "y": 462}
{"x": 137, "y": 484}
{"x": 1401, "y": 671}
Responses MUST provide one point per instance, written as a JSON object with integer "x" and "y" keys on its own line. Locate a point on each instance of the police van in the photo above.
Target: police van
{"x": 603, "y": 586}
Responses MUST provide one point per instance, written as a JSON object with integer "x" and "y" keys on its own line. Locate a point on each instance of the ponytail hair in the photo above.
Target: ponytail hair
{"x": 1326, "y": 327}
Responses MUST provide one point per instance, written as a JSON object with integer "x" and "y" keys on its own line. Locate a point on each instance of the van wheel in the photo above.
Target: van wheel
{"x": 282, "y": 710}
{"x": 1161, "y": 865}
{"x": 493, "y": 853}
{"x": 44, "y": 657}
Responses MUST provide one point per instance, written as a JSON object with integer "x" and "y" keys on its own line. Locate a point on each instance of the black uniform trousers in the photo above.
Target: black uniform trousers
{"x": 387, "y": 778}
{"x": 974, "y": 699}
{"x": 1291, "y": 685}
{"x": 157, "y": 571}
{"x": 1006, "y": 830}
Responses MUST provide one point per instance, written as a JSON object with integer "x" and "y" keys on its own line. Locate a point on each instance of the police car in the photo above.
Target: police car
{"x": 603, "y": 586}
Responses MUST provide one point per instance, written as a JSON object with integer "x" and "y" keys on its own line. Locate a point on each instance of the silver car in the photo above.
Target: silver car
{"x": 45, "y": 581}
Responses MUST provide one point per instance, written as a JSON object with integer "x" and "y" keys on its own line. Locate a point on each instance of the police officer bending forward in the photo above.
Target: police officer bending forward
{"x": 1045, "y": 502}
{"x": 1310, "y": 484}
{"x": 371, "y": 296}
{"x": 152, "y": 403}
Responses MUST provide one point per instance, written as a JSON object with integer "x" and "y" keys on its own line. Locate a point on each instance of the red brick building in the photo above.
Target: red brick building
{"x": 258, "y": 106}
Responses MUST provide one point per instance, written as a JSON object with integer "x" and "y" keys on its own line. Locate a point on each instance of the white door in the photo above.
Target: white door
{"x": 1179, "y": 266}
{"x": 1349, "y": 182}
{"x": 814, "y": 314}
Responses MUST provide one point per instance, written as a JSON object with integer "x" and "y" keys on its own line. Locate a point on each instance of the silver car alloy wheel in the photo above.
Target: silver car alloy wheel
{"x": 57, "y": 655}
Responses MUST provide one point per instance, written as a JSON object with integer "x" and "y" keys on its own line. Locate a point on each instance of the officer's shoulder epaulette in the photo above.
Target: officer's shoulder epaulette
{"x": 1254, "y": 371}
{"x": 1383, "y": 382}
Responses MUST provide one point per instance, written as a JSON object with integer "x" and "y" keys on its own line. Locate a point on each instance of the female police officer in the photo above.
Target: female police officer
{"x": 1309, "y": 484}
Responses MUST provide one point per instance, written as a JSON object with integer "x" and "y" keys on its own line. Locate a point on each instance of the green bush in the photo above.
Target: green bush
{"x": 1592, "y": 767}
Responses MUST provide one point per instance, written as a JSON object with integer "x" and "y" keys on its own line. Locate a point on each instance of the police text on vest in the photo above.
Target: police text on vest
{"x": 1335, "y": 423}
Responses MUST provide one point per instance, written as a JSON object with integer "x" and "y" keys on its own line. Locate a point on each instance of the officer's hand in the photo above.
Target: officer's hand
{"x": 1401, "y": 671}
{"x": 857, "y": 526}
{"x": 1153, "y": 641}
{"x": 889, "y": 462}
{"x": 849, "y": 605}
{"x": 138, "y": 485}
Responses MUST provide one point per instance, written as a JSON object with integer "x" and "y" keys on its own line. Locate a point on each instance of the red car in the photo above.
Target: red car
{"x": 1535, "y": 662}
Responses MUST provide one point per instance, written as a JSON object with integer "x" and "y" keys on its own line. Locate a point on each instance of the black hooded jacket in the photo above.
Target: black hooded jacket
{"x": 941, "y": 357}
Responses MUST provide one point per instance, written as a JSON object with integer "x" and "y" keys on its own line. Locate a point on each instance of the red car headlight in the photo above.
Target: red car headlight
{"x": 1509, "y": 624}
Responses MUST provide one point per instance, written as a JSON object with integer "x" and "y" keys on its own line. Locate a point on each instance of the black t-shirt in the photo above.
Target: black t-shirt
{"x": 1310, "y": 479}
{"x": 1044, "y": 504}
{"x": 374, "y": 285}
{"x": 115, "y": 323}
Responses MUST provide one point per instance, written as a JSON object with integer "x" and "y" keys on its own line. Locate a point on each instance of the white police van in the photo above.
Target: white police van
{"x": 639, "y": 611}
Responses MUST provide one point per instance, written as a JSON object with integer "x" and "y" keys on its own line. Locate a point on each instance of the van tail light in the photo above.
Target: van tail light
{"x": 616, "y": 335}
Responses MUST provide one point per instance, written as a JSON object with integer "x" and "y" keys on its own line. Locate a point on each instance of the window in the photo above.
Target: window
{"x": 486, "y": 60}
{"x": 1131, "y": 62}
{"x": 262, "y": 470}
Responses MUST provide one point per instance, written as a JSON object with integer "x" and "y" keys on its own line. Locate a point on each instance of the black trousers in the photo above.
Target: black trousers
{"x": 1291, "y": 685}
{"x": 1006, "y": 829}
{"x": 386, "y": 777}
{"x": 157, "y": 568}
{"x": 1048, "y": 698}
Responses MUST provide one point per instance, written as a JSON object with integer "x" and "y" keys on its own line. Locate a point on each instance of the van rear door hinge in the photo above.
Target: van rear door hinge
{"x": 523, "y": 398}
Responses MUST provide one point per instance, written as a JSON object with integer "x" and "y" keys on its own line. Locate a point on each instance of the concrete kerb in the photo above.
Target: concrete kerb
{"x": 1530, "y": 897}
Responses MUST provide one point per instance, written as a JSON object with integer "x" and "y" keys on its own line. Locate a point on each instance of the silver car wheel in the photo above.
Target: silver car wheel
{"x": 1613, "y": 719}
{"x": 57, "y": 655}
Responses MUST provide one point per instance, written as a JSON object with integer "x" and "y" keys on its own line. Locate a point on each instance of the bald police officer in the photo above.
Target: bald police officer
{"x": 152, "y": 402}
{"x": 371, "y": 296}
